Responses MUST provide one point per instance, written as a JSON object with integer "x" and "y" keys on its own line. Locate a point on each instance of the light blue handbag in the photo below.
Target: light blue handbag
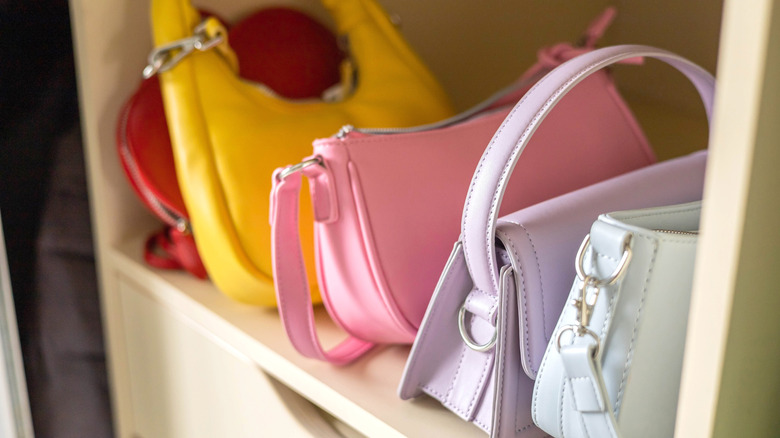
{"x": 614, "y": 363}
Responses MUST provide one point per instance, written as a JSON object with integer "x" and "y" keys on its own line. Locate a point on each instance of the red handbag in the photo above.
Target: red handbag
{"x": 283, "y": 49}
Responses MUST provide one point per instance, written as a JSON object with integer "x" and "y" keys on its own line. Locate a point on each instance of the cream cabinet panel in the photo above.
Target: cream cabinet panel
{"x": 187, "y": 383}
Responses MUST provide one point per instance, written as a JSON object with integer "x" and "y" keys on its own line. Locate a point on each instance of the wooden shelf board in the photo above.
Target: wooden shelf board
{"x": 362, "y": 394}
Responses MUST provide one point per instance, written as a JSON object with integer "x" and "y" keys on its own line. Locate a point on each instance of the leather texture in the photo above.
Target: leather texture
{"x": 228, "y": 135}
{"x": 500, "y": 157}
{"x": 544, "y": 236}
{"x": 627, "y": 382}
{"x": 387, "y": 207}
{"x": 144, "y": 150}
{"x": 283, "y": 49}
{"x": 567, "y": 378}
{"x": 538, "y": 243}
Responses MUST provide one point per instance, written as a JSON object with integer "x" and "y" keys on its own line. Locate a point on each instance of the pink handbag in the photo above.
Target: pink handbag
{"x": 388, "y": 205}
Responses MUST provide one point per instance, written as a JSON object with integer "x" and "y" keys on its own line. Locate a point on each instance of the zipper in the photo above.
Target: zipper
{"x": 469, "y": 113}
{"x": 166, "y": 214}
{"x": 680, "y": 233}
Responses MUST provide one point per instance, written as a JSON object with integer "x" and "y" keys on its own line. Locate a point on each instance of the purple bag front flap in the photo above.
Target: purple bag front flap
{"x": 542, "y": 240}
{"x": 440, "y": 364}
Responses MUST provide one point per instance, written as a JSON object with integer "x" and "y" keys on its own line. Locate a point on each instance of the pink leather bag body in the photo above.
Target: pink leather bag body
{"x": 388, "y": 205}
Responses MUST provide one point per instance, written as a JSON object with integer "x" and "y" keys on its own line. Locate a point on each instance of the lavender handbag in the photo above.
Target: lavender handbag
{"x": 496, "y": 304}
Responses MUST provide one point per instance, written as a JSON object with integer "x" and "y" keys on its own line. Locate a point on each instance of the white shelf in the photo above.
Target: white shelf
{"x": 362, "y": 394}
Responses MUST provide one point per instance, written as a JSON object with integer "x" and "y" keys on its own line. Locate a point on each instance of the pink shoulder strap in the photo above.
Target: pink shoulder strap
{"x": 292, "y": 286}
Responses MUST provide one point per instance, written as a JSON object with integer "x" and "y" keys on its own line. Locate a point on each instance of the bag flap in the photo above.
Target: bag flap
{"x": 440, "y": 363}
{"x": 542, "y": 240}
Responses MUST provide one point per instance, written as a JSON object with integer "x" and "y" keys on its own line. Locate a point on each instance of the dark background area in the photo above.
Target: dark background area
{"x": 45, "y": 214}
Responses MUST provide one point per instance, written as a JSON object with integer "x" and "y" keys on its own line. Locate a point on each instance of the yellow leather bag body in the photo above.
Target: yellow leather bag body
{"x": 228, "y": 134}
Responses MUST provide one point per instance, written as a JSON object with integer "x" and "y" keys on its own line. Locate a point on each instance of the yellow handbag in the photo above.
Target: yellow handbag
{"x": 228, "y": 135}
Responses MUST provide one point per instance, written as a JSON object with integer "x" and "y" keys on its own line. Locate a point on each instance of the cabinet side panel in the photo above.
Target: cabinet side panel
{"x": 737, "y": 221}
{"x": 750, "y": 385}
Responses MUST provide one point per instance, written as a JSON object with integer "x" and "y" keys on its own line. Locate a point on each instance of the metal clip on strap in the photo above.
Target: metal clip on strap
{"x": 295, "y": 168}
{"x": 586, "y": 302}
{"x": 165, "y": 57}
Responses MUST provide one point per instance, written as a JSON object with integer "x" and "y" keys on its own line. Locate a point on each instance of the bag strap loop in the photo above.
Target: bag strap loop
{"x": 292, "y": 285}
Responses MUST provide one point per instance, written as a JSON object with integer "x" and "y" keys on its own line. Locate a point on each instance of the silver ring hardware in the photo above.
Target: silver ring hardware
{"x": 467, "y": 338}
{"x": 289, "y": 170}
{"x": 587, "y": 301}
{"x": 621, "y": 267}
{"x": 577, "y": 330}
{"x": 165, "y": 57}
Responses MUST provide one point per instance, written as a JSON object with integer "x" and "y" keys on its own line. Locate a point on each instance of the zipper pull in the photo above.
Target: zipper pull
{"x": 344, "y": 131}
{"x": 183, "y": 226}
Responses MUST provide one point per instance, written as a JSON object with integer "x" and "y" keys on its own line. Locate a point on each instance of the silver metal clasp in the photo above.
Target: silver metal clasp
{"x": 586, "y": 302}
{"x": 165, "y": 57}
{"x": 295, "y": 168}
{"x": 590, "y": 291}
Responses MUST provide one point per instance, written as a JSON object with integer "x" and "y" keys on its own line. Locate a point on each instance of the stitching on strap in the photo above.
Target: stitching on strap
{"x": 592, "y": 384}
{"x": 455, "y": 377}
{"x": 541, "y": 282}
{"x": 521, "y": 271}
{"x": 481, "y": 382}
{"x": 505, "y": 173}
{"x": 632, "y": 345}
{"x": 561, "y": 398}
{"x": 433, "y": 391}
{"x": 500, "y": 386}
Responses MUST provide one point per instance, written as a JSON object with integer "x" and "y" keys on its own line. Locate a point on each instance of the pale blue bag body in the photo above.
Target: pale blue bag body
{"x": 614, "y": 363}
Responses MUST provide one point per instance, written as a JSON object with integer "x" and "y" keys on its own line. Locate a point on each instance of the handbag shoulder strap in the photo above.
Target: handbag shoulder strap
{"x": 292, "y": 285}
{"x": 584, "y": 374}
{"x": 495, "y": 167}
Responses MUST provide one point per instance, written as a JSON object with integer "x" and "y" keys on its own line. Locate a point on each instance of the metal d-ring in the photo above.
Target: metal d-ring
{"x": 289, "y": 170}
{"x": 577, "y": 330}
{"x": 624, "y": 259}
{"x": 467, "y": 338}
